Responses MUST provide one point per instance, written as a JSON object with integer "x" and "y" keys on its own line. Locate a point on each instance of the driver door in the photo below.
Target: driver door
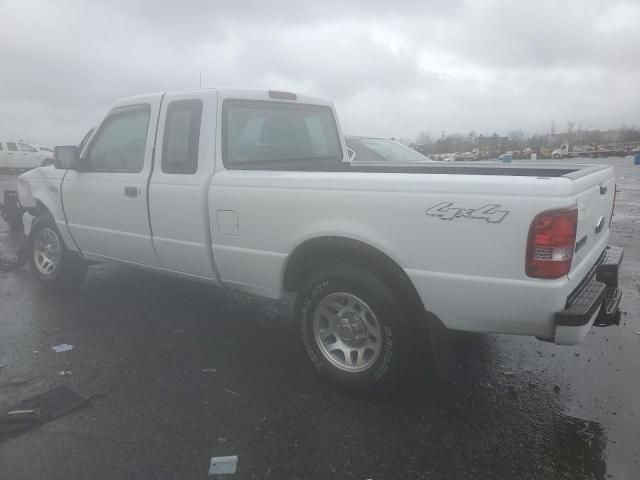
{"x": 105, "y": 200}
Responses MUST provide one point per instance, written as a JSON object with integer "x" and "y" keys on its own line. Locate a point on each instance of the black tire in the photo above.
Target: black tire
{"x": 70, "y": 269}
{"x": 396, "y": 342}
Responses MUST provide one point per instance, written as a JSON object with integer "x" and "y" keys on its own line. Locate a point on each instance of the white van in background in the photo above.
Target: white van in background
{"x": 21, "y": 155}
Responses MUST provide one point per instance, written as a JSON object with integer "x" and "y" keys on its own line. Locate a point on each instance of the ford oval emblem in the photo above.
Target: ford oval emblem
{"x": 600, "y": 224}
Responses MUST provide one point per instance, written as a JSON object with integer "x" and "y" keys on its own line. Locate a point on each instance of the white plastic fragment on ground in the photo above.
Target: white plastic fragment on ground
{"x": 63, "y": 347}
{"x": 228, "y": 390}
{"x": 65, "y": 372}
{"x": 223, "y": 465}
{"x": 209, "y": 370}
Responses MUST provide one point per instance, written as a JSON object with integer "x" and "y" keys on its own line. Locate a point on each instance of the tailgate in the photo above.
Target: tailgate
{"x": 595, "y": 197}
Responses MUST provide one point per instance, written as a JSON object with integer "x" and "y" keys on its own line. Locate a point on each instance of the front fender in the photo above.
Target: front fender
{"x": 41, "y": 188}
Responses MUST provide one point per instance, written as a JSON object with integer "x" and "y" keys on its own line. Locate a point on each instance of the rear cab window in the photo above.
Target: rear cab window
{"x": 260, "y": 134}
{"x": 182, "y": 137}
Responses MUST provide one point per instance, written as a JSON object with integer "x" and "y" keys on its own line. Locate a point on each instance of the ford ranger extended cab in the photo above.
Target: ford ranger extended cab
{"x": 253, "y": 190}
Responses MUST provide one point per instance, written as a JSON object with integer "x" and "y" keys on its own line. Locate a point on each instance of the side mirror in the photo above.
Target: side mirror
{"x": 66, "y": 157}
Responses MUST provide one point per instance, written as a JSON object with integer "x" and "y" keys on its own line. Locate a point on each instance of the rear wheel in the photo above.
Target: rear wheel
{"x": 50, "y": 261}
{"x": 353, "y": 329}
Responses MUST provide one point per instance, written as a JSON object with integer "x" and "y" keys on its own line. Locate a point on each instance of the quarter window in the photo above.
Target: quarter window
{"x": 119, "y": 144}
{"x": 181, "y": 139}
{"x": 258, "y": 133}
{"x": 12, "y": 147}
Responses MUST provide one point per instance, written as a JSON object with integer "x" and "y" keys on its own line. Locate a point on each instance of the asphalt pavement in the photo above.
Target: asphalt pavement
{"x": 178, "y": 372}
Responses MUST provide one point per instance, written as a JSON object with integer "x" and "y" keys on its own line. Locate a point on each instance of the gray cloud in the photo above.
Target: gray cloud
{"x": 393, "y": 68}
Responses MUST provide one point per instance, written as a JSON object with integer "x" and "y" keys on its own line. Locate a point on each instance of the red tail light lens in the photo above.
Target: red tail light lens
{"x": 552, "y": 239}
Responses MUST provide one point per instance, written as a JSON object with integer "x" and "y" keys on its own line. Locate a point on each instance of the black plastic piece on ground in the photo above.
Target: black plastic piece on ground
{"x": 50, "y": 405}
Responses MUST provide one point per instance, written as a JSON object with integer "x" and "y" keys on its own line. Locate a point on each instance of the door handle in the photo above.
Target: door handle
{"x": 131, "y": 191}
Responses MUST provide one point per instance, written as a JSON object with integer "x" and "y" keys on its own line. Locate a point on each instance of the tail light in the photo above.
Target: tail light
{"x": 552, "y": 240}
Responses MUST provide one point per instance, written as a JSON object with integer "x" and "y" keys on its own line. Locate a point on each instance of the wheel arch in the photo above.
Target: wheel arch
{"x": 315, "y": 252}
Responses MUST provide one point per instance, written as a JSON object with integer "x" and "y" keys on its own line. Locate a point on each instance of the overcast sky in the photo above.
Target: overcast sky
{"x": 393, "y": 68}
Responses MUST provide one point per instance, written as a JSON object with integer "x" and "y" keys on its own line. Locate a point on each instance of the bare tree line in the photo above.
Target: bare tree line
{"x": 576, "y": 133}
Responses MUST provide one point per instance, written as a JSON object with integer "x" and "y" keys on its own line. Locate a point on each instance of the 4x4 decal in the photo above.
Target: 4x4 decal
{"x": 488, "y": 213}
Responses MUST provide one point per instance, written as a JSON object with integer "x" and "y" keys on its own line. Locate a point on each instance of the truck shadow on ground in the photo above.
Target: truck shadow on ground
{"x": 149, "y": 339}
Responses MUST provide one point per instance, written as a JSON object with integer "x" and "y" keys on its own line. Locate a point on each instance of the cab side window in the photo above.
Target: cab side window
{"x": 119, "y": 144}
{"x": 12, "y": 147}
{"x": 181, "y": 139}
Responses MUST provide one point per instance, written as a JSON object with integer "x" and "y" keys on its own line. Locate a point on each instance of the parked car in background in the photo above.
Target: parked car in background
{"x": 371, "y": 149}
{"x": 506, "y": 157}
{"x": 21, "y": 155}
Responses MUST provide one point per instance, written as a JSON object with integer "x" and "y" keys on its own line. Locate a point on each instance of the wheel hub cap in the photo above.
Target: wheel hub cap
{"x": 347, "y": 332}
{"x": 46, "y": 251}
{"x": 352, "y": 330}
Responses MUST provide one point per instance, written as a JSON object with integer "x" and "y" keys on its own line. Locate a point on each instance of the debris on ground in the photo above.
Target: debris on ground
{"x": 25, "y": 415}
{"x": 63, "y": 347}
{"x": 65, "y": 372}
{"x": 21, "y": 380}
{"x": 222, "y": 440}
{"x": 637, "y": 333}
{"x": 509, "y": 374}
{"x": 556, "y": 389}
{"x": 228, "y": 390}
{"x": 223, "y": 465}
{"x": 209, "y": 370}
{"x": 13, "y": 252}
{"x": 40, "y": 409}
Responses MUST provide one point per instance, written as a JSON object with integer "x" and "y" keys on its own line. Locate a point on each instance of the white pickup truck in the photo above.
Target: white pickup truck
{"x": 253, "y": 190}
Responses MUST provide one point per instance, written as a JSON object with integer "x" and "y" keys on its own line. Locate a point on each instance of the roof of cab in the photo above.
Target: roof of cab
{"x": 230, "y": 93}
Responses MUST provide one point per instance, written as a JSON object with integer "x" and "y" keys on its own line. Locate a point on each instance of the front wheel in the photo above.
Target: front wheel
{"x": 353, "y": 329}
{"x": 51, "y": 262}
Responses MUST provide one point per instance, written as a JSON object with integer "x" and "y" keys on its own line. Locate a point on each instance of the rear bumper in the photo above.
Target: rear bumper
{"x": 594, "y": 302}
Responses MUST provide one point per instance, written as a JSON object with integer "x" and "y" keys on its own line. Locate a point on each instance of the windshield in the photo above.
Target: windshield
{"x": 392, "y": 151}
